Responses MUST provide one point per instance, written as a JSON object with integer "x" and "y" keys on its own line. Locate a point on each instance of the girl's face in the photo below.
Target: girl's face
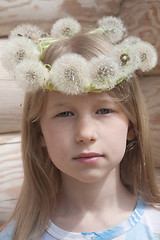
{"x": 85, "y": 135}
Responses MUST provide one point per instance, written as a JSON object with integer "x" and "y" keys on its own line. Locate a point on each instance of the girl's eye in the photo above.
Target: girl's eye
{"x": 103, "y": 111}
{"x": 64, "y": 114}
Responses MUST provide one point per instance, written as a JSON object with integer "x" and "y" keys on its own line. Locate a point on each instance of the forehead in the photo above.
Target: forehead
{"x": 57, "y": 98}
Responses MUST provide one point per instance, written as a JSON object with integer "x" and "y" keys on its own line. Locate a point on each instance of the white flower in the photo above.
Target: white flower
{"x": 17, "y": 50}
{"x": 70, "y": 74}
{"x": 104, "y": 73}
{"x": 148, "y": 55}
{"x": 31, "y": 75}
{"x": 113, "y": 27}
{"x": 28, "y": 30}
{"x": 65, "y": 27}
{"x": 132, "y": 40}
{"x": 127, "y": 58}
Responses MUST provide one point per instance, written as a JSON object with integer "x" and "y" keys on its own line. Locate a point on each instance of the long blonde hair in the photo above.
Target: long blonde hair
{"x": 42, "y": 178}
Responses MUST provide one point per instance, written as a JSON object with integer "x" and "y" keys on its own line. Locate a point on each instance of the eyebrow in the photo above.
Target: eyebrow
{"x": 60, "y": 104}
{"x": 97, "y": 100}
{"x": 110, "y": 101}
{"x": 67, "y": 104}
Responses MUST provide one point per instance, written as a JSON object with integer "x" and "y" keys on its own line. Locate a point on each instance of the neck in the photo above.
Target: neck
{"x": 92, "y": 195}
{"x": 89, "y": 201}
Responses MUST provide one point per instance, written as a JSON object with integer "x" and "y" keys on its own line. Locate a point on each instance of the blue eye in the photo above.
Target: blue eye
{"x": 103, "y": 111}
{"x": 65, "y": 114}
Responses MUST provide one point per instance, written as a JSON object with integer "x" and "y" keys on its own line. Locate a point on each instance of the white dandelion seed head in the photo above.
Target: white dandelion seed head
{"x": 28, "y": 30}
{"x": 17, "y": 50}
{"x": 127, "y": 58}
{"x": 65, "y": 27}
{"x": 70, "y": 74}
{"x": 148, "y": 55}
{"x": 131, "y": 40}
{"x": 104, "y": 72}
{"x": 113, "y": 28}
{"x": 31, "y": 75}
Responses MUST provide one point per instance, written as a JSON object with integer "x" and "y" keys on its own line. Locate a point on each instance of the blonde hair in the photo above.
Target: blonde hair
{"x": 42, "y": 178}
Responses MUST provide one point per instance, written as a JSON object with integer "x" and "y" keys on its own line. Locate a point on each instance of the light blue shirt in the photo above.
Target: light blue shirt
{"x": 144, "y": 224}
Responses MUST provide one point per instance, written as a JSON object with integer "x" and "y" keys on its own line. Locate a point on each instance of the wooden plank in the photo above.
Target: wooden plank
{"x": 10, "y": 138}
{"x": 151, "y": 90}
{"x": 11, "y": 173}
{"x": 142, "y": 20}
{"x": 11, "y": 99}
{"x": 44, "y": 13}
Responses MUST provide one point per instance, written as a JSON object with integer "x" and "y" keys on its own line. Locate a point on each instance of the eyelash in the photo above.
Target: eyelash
{"x": 104, "y": 111}
{"x": 64, "y": 114}
{"x": 69, "y": 114}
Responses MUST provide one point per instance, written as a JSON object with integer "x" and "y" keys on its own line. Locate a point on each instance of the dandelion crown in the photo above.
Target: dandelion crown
{"x": 71, "y": 73}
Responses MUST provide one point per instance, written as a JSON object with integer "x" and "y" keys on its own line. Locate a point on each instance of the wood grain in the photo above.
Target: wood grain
{"x": 142, "y": 20}
{"x": 11, "y": 99}
{"x": 44, "y": 13}
{"x": 11, "y": 173}
{"x": 151, "y": 89}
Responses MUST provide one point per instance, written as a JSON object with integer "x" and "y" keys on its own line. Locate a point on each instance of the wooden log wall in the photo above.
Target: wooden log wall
{"x": 11, "y": 173}
{"x": 141, "y": 19}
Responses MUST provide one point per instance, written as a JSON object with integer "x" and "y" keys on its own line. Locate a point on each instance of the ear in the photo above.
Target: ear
{"x": 131, "y": 133}
{"x": 42, "y": 141}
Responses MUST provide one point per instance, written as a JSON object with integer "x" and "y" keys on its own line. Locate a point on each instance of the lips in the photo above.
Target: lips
{"x": 88, "y": 158}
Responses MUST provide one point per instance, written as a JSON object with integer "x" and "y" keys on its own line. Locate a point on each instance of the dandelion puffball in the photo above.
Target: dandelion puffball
{"x": 16, "y": 50}
{"x": 148, "y": 55}
{"x": 70, "y": 74}
{"x": 31, "y": 75}
{"x": 113, "y": 28}
{"x": 104, "y": 73}
{"x": 27, "y": 30}
{"x": 65, "y": 27}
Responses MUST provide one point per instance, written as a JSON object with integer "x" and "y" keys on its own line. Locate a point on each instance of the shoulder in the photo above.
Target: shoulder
{"x": 151, "y": 218}
{"x": 152, "y": 213}
{"x": 7, "y": 232}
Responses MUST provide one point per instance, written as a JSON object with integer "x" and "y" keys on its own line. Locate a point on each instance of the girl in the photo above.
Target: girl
{"x": 88, "y": 168}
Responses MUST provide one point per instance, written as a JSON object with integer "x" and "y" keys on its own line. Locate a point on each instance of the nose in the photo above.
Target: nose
{"x": 86, "y": 131}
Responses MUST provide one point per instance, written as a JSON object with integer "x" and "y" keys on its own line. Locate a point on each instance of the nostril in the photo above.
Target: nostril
{"x": 86, "y": 140}
{"x": 93, "y": 139}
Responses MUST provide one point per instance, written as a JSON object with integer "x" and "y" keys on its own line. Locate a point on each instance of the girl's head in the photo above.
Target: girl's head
{"x": 136, "y": 164}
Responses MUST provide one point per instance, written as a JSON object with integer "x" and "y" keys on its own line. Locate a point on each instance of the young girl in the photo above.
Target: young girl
{"x": 88, "y": 168}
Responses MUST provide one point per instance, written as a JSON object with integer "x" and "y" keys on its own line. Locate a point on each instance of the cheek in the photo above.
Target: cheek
{"x": 116, "y": 140}
{"x": 121, "y": 135}
{"x": 56, "y": 141}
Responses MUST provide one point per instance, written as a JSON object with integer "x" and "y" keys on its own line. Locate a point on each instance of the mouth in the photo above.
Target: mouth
{"x": 88, "y": 158}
